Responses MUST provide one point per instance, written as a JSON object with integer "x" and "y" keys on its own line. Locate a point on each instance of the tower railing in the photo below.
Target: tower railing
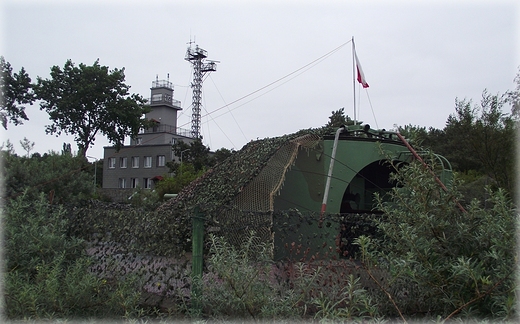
{"x": 164, "y": 100}
{"x": 162, "y": 84}
{"x": 167, "y": 129}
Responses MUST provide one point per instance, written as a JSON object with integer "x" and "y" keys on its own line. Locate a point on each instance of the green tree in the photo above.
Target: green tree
{"x": 27, "y": 145}
{"x": 16, "y": 91}
{"x": 85, "y": 101}
{"x": 195, "y": 153}
{"x": 482, "y": 138}
{"x": 513, "y": 97}
{"x": 338, "y": 119}
{"x": 414, "y": 134}
{"x": 222, "y": 154}
{"x": 478, "y": 140}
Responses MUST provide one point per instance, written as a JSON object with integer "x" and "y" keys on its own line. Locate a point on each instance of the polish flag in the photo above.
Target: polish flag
{"x": 360, "y": 75}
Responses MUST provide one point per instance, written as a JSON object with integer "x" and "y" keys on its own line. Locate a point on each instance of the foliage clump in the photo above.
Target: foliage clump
{"x": 244, "y": 283}
{"x": 16, "y": 91}
{"x": 443, "y": 261}
{"x": 62, "y": 177}
{"x": 47, "y": 273}
{"x": 479, "y": 141}
{"x": 185, "y": 173}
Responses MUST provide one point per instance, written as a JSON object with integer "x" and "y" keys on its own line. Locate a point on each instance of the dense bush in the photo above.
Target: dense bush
{"x": 47, "y": 273}
{"x": 62, "y": 177}
{"x": 445, "y": 262}
{"x": 243, "y": 283}
{"x": 185, "y": 173}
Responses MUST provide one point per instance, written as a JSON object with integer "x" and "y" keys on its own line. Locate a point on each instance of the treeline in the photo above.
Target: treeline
{"x": 479, "y": 140}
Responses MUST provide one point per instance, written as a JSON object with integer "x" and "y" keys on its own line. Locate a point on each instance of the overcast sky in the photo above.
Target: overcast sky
{"x": 417, "y": 58}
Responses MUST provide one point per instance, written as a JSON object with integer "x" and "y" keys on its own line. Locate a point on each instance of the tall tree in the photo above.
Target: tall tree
{"x": 414, "y": 134}
{"x": 85, "y": 101}
{"x": 16, "y": 91}
{"x": 27, "y": 145}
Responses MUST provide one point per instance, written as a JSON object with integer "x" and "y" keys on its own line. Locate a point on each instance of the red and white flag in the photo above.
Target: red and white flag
{"x": 360, "y": 75}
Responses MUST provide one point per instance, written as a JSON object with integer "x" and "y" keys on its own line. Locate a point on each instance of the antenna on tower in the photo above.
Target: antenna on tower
{"x": 196, "y": 56}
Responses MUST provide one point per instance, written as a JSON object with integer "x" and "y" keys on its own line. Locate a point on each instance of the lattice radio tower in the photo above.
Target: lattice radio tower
{"x": 196, "y": 57}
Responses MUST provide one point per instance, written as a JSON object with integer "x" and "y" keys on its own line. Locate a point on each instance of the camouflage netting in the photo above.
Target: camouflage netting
{"x": 237, "y": 195}
{"x": 235, "y": 198}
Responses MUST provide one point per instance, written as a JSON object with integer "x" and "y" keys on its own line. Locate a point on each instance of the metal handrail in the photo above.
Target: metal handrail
{"x": 163, "y": 128}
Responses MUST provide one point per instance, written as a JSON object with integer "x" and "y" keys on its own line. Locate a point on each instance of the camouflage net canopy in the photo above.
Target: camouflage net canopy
{"x": 240, "y": 197}
{"x": 237, "y": 196}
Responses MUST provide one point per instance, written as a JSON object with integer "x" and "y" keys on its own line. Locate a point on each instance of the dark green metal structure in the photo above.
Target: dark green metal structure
{"x": 360, "y": 170}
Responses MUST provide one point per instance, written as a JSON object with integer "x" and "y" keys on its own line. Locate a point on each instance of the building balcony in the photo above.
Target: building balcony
{"x": 162, "y": 99}
{"x": 167, "y": 129}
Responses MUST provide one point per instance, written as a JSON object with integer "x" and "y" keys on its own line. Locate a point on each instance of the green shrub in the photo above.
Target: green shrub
{"x": 47, "y": 273}
{"x": 238, "y": 284}
{"x": 64, "y": 178}
{"x": 444, "y": 262}
{"x": 242, "y": 282}
{"x": 353, "y": 303}
{"x": 185, "y": 173}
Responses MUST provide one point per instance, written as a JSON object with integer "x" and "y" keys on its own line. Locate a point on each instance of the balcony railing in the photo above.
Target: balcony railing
{"x": 168, "y": 129}
{"x": 162, "y": 84}
{"x": 195, "y": 53}
{"x": 161, "y": 99}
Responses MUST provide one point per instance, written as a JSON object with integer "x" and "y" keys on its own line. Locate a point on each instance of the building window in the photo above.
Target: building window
{"x": 147, "y": 161}
{"x": 123, "y": 162}
{"x": 147, "y": 183}
{"x": 135, "y": 161}
{"x": 157, "y": 97}
{"x": 161, "y": 160}
{"x": 173, "y": 141}
{"x": 139, "y": 141}
{"x": 112, "y": 163}
{"x": 134, "y": 182}
{"x": 122, "y": 183}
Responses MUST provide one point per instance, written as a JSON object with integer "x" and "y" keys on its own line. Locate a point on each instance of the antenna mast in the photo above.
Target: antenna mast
{"x": 196, "y": 57}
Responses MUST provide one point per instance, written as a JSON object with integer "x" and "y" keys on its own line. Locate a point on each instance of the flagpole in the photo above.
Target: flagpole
{"x": 354, "y": 76}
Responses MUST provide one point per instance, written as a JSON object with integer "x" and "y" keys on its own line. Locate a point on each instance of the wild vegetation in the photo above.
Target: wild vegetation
{"x": 444, "y": 262}
{"x": 69, "y": 255}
